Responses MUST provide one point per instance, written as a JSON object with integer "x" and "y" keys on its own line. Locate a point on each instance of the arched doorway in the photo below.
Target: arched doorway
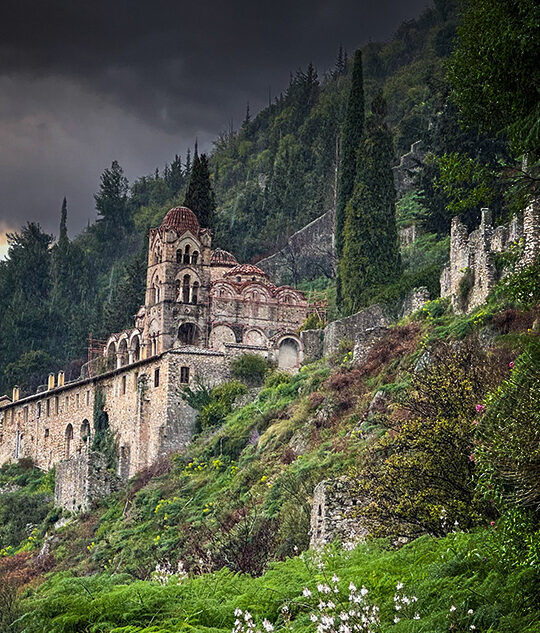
{"x": 122, "y": 353}
{"x": 288, "y": 354}
{"x": 188, "y": 334}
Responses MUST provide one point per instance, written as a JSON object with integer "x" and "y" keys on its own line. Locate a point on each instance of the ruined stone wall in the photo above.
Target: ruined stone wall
{"x": 362, "y": 330}
{"x": 335, "y": 513}
{"x": 471, "y": 272}
{"x": 309, "y": 253}
{"x": 81, "y": 479}
{"x": 405, "y": 173}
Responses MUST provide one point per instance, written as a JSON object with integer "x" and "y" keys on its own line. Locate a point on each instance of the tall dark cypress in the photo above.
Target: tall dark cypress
{"x": 353, "y": 132}
{"x": 200, "y": 196}
{"x": 371, "y": 249}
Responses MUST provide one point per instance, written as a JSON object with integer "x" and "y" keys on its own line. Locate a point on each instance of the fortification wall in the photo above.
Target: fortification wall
{"x": 309, "y": 253}
{"x": 471, "y": 273}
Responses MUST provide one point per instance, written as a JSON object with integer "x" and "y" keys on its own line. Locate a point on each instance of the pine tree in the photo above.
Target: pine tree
{"x": 353, "y": 132}
{"x": 371, "y": 249}
{"x": 112, "y": 202}
{"x": 174, "y": 176}
{"x": 200, "y": 196}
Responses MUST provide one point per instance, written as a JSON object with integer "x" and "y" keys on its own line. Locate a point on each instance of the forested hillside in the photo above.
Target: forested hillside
{"x": 270, "y": 177}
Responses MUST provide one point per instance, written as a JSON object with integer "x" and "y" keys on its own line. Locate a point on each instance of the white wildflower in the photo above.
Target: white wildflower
{"x": 268, "y": 626}
{"x": 335, "y": 578}
{"x": 452, "y": 609}
{"x": 306, "y": 592}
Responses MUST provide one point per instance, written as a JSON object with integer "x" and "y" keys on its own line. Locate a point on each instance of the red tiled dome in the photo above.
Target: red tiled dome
{"x": 223, "y": 258}
{"x": 181, "y": 219}
{"x": 246, "y": 269}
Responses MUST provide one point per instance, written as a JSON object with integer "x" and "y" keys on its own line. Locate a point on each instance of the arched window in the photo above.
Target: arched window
{"x": 136, "y": 349}
{"x": 69, "y": 440}
{"x": 186, "y": 254}
{"x": 195, "y": 257}
{"x": 195, "y": 292}
{"x": 185, "y": 288}
{"x": 188, "y": 334}
{"x": 85, "y": 432}
{"x": 122, "y": 357}
{"x": 177, "y": 292}
{"x": 179, "y": 256}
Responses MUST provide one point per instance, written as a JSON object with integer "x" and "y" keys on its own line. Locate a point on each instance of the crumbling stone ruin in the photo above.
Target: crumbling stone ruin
{"x": 335, "y": 514}
{"x": 409, "y": 165}
{"x": 202, "y": 309}
{"x": 472, "y": 272}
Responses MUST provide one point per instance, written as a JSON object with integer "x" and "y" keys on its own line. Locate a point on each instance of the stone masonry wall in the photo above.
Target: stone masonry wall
{"x": 335, "y": 513}
{"x": 309, "y": 253}
{"x": 143, "y": 403}
{"x": 81, "y": 479}
{"x": 471, "y": 273}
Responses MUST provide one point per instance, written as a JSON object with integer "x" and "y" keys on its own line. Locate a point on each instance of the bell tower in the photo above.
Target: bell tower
{"x": 177, "y": 283}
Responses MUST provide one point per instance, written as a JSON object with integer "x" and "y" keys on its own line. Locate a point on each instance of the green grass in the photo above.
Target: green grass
{"x": 460, "y": 570}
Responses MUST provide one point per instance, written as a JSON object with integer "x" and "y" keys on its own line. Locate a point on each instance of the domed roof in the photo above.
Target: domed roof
{"x": 181, "y": 219}
{"x": 245, "y": 269}
{"x": 222, "y": 258}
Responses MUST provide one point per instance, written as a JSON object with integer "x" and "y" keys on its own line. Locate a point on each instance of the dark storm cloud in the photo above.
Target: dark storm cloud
{"x": 84, "y": 82}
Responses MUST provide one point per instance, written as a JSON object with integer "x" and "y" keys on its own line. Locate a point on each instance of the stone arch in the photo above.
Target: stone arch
{"x": 135, "y": 347}
{"x": 194, "y": 258}
{"x": 223, "y": 291}
{"x": 288, "y": 353}
{"x": 187, "y": 254}
{"x": 68, "y": 440}
{"x": 122, "y": 353}
{"x": 86, "y": 432}
{"x": 189, "y": 334}
{"x": 254, "y": 336}
{"x": 110, "y": 354}
{"x": 220, "y": 335}
{"x": 256, "y": 293}
{"x": 153, "y": 338}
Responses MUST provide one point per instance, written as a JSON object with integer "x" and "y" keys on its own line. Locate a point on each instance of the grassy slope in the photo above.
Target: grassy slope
{"x": 239, "y": 498}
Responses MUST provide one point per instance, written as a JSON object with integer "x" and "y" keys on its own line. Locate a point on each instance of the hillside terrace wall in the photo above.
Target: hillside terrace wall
{"x": 309, "y": 253}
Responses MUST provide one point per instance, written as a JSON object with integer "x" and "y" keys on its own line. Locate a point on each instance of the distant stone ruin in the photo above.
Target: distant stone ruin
{"x": 472, "y": 272}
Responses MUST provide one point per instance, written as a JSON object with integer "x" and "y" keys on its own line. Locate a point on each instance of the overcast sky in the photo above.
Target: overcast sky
{"x": 85, "y": 82}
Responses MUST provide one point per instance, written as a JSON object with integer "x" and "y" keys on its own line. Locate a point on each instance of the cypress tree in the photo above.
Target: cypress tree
{"x": 371, "y": 250}
{"x": 353, "y": 132}
{"x": 200, "y": 196}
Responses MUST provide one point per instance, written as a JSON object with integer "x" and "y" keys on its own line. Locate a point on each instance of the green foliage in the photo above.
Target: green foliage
{"x": 112, "y": 202}
{"x": 26, "y": 497}
{"x": 508, "y": 454}
{"x": 494, "y": 70}
{"x": 352, "y": 136}
{"x": 420, "y": 477}
{"x": 220, "y": 404}
{"x": 467, "y": 185}
{"x": 200, "y": 196}
{"x": 522, "y": 288}
{"x": 410, "y": 209}
{"x": 371, "y": 250}
{"x": 250, "y": 368}
{"x": 312, "y": 322}
{"x": 458, "y": 570}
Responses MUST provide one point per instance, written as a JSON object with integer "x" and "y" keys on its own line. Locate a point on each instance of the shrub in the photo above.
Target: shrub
{"x": 420, "y": 476}
{"x": 509, "y": 452}
{"x": 250, "y": 368}
{"x": 221, "y": 400}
